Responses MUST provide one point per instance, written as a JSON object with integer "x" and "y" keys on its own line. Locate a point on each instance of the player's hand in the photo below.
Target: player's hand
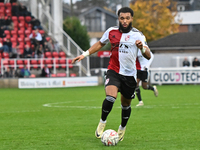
{"x": 139, "y": 44}
{"x": 78, "y": 58}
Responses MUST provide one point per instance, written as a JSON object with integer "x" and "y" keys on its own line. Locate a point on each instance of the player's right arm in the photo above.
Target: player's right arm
{"x": 94, "y": 48}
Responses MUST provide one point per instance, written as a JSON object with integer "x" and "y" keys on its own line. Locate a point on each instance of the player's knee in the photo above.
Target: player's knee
{"x": 110, "y": 98}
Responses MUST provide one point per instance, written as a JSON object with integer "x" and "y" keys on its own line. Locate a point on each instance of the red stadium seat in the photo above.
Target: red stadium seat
{"x": 28, "y": 18}
{"x": 5, "y": 55}
{"x": 14, "y": 4}
{"x": 7, "y": 32}
{"x": 20, "y": 64}
{"x": 62, "y": 54}
{"x": 32, "y": 76}
{"x": 53, "y": 75}
{"x": 70, "y": 65}
{"x": 21, "y": 51}
{"x": 21, "y": 32}
{"x": 21, "y": 25}
{"x": 8, "y": 5}
{"x": 14, "y": 18}
{"x": 62, "y": 63}
{"x": 8, "y": 36}
{"x": 48, "y": 55}
{"x": 20, "y": 39}
{"x": 2, "y": 12}
{"x": 2, "y": 5}
{"x": 8, "y": 12}
{"x": 15, "y": 23}
{"x": 34, "y": 64}
{"x": 61, "y": 74}
{"x": 21, "y": 45}
{"x": 25, "y": 62}
{"x": 13, "y": 32}
{"x": 72, "y": 75}
{"x": 6, "y": 62}
{"x": 48, "y": 62}
{"x": 48, "y": 38}
{"x": 14, "y": 44}
{"x": 21, "y": 18}
{"x": 11, "y": 63}
{"x": 55, "y": 54}
{"x": 42, "y": 31}
{"x": 27, "y": 33}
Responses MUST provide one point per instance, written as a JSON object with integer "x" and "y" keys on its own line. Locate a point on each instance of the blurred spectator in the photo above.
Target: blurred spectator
{"x": 36, "y": 24}
{"x": 15, "y": 52}
{"x": 27, "y": 51}
{"x": 51, "y": 45}
{"x": 2, "y": 1}
{"x": 195, "y": 62}
{"x": 2, "y": 22}
{"x": 8, "y": 73}
{"x": 13, "y": 1}
{"x": 57, "y": 46}
{"x": 39, "y": 53}
{"x": 46, "y": 72}
{"x": 23, "y": 10}
{"x": 186, "y": 63}
{"x": 9, "y": 23}
{"x": 36, "y": 38}
{"x": 43, "y": 39}
{"x": 46, "y": 48}
{"x": 8, "y": 46}
{"x": 24, "y": 72}
{"x": 4, "y": 48}
{"x": 15, "y": 10}
{"x": 2, "y": 34}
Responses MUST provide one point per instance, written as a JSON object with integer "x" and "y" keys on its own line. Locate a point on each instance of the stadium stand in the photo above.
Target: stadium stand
{"x": 19, "y": 37}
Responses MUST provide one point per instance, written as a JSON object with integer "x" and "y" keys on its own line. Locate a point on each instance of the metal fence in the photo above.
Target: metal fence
{"x": 54, "y": 64}
{"x": 66, "y": 42}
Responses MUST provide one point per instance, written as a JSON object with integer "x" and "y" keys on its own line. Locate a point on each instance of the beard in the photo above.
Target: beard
{"x": 125, "y": 30}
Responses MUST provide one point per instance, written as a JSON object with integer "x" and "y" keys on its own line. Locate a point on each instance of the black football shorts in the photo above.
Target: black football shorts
{"x": 142, "y": 75}
{"x": 126, "y": 84}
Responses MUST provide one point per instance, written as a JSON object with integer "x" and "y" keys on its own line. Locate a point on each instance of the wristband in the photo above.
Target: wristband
{"x": 143, "y": 50}
{"x": 86, "y": 53}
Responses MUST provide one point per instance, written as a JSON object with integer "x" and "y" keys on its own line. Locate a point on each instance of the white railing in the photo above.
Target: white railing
{"x": 54, "y": 63}
{"x": 67, "y": 43}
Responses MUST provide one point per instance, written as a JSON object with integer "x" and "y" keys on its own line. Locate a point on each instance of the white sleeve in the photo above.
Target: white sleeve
{"x": 105, "y": 38}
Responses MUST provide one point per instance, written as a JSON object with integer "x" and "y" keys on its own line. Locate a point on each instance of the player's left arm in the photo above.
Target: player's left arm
{"x": 144, "y": 49}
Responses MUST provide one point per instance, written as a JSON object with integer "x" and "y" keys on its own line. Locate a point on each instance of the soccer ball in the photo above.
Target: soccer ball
{"x": 110, "y": 137}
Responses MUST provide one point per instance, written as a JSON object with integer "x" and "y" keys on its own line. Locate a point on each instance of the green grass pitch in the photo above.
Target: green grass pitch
{"x": 66, "y": 119}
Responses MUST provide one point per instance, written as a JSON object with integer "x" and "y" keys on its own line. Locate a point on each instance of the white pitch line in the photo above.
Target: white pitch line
{"x": 23, "y": 111}
{"x": 173, "y": 106}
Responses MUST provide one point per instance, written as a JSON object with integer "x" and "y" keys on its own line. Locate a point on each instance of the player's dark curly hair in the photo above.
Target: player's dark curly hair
{"x": 125, "y": 10}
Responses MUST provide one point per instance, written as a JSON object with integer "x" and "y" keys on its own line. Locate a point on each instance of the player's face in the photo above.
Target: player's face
{"x": 125, "y": 21}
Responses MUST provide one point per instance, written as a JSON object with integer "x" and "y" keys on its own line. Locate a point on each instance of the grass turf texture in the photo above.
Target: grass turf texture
{"x": 70, "y": 117}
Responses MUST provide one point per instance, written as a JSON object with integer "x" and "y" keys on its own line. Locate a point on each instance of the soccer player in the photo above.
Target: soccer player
{"x": 142, "y": 65}
{"x": 125, "y": 41}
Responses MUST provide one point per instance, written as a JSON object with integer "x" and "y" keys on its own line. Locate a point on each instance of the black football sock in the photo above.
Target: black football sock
{"x": 150, "y": 87}
{"x": 107, "y": 106}
{"x": 126, "y": 112}
{"x": 137, "y": 90}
